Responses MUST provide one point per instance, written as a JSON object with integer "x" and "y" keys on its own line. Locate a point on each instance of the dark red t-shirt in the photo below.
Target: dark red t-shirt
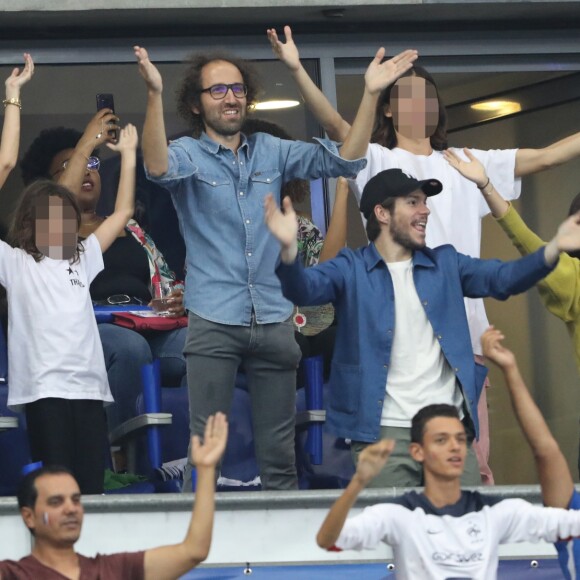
{"x": 121, "y": 566}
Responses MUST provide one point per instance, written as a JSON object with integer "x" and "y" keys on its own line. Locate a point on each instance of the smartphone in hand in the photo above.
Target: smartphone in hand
{"x": 106, "y": 101}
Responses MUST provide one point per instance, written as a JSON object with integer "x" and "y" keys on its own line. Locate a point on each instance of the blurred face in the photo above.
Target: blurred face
{"x": 56, "y": 230}
{"x": 414, "y": 107}
{"x": 221, "y": 117}
{"x": 91, "y": 186}
{"x": 408, "y": 222}
{"x": 57, "y": 516}
{"x": 443, "y": 449}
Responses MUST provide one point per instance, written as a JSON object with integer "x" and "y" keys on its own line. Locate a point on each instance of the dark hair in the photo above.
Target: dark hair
{"x": 296, "y": 189}
{"x": 384, "y": 129}
{"x": 35, "y": 163}
{"x": 373, "y": 227}
{"x": 424, "y": 415}
{"x": 27, "y": 493}
{"x": 189, "y": 93}
{"x": 22, "y": 232}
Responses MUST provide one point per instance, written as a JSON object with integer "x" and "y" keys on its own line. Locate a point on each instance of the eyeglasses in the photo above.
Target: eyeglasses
{"x": 218, "y": 92}
{"x": 93, "y": 164}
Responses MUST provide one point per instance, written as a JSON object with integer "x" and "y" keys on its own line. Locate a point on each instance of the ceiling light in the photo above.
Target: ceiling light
{"x": 275, "y": 104}
{"x": 497, "y": 108}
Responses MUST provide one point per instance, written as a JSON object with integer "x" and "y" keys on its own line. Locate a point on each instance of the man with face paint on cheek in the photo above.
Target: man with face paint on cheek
{"x": 399, "y": 125}
{"x": 51, "y": 508}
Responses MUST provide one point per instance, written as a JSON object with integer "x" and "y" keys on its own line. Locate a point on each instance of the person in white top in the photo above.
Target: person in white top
{"x": 443, "y": 532}
{"x": 406, "y": 125}
{"x": 55, "y": 359}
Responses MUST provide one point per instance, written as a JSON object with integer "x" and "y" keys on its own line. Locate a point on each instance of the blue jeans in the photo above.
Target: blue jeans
{"x": 126, "y": 351}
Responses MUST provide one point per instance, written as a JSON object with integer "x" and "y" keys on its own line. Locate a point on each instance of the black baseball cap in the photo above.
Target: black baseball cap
{"x": 394, "y": 183}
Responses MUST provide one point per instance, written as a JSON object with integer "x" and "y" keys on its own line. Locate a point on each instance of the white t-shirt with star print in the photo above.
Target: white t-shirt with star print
{"x": 54, "y": 349}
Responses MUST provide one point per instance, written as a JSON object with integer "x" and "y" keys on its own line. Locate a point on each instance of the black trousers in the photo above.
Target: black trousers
{"x": 71, "y": 433}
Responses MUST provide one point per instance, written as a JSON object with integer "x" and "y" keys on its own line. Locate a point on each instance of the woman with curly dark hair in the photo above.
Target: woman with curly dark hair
{"x": 131, "y": 264}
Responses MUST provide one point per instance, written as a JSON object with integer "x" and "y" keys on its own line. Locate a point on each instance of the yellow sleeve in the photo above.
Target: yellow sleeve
{"x": 560, "y": 290}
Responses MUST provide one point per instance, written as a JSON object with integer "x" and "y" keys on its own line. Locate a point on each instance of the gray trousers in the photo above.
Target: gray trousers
{"x": 269, "y": 355}
{"x": 402, "y": 470}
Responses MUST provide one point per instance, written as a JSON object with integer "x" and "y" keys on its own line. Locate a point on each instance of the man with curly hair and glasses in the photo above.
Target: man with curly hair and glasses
{"x": 218, "y": 179}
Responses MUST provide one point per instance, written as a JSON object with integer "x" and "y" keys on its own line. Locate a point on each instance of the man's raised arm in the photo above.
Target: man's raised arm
{"x": 555, "y": 479}
{"x": 154, "y": 142}
{"x": 170, "y": 562}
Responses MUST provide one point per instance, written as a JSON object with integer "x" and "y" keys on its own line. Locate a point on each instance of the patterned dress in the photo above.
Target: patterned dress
{"x": 310, "y": 320}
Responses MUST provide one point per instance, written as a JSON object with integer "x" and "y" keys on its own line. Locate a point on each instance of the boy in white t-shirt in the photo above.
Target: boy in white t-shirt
{"x": 443, "y": 532}
{"x": 55, "y": 358}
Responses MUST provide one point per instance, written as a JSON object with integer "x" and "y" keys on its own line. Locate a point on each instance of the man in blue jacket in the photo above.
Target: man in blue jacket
{"x": 384, "y": 372}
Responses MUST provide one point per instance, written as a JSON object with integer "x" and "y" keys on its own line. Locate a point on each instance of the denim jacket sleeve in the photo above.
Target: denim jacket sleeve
{"x": 500, "y": 280}
{"x": 313, "y": 286}
{"x": 180, "y": 164}
{"x": 311, "y": 161}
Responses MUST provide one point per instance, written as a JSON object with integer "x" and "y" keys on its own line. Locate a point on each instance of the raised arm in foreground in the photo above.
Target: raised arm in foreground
{"x": 170, "y": 562}
{"x": 370, "y": 463}
{"x": 555, "y": 479}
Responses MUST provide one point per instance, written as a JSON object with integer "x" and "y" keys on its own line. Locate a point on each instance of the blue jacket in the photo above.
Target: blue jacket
{"x": 359, "y": 285}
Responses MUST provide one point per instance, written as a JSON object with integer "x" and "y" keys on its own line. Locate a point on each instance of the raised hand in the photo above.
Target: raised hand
{"x": 97, "y": 130}
{"x": 372, "y": 459}
{"x": 568, "y": 234}
{"x": 494, "y": 350}
{"x": 380, "y": 75}
{"x": 18, "y": 78}
{"x": 128, "y": 140}
{"x": 472, "y": 169}
{"x": 284, "y": 226}
{"x": 287, "y": 51}
{"x": 208, "y": 453}
{"x": 148, "y": 70}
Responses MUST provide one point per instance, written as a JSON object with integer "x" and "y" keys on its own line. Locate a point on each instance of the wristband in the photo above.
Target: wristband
{"x": 483, "y": 186}
{"x": 12, "y": 101}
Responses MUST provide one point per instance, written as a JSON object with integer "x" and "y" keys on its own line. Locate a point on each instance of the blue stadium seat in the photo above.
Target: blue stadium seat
{"x": 14, "y": 451}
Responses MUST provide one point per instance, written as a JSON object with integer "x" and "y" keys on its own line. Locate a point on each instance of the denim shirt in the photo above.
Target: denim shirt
{"x": 359, "y": 285}
{"x": 219, "y": 198}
